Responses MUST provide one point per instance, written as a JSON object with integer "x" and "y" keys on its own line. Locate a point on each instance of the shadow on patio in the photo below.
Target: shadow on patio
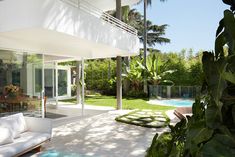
{"x": 101, "y": 136}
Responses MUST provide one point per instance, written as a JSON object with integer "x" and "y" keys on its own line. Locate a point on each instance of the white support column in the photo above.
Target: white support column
{"x": 53, "y": 83}
{"x": 119, "y": 61}
{"x": 69, "y": 82}
{"x": 78, "y": 78}
{"x": 56, "y": 84}
{"x": 83, "y": 87}
{"x": 43, "y": 88}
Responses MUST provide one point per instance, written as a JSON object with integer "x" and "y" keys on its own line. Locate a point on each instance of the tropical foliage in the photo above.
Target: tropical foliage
{"x": 154, "y": 72}
{"x": 210, "y": 131}
{"x": 161, "y": 67}
{"x": 101, "y": 76}
{"x": 134, "y": 74}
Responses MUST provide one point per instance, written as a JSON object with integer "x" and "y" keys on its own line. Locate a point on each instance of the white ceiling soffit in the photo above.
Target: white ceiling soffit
{"x": 107, "y": 5}
{"x": 59, "y": 44}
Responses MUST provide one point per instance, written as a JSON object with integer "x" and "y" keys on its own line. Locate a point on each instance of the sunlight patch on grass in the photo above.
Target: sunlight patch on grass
{"x": 128, "y": 103}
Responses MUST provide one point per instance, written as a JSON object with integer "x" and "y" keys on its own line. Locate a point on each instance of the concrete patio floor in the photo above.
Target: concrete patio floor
{"x": 99, "y": 136}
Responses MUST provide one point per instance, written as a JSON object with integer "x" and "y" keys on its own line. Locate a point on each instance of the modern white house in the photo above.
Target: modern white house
{"x": 36, "y": 35}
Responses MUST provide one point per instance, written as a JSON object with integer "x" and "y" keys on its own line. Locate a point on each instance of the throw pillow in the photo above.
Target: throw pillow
{"x": 6, "y": 135}
{"x": 20, "y": 120}
{"x": 11, "y": 124}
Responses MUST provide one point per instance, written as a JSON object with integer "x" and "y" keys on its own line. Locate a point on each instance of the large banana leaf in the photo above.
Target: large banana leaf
{"x": 229, "y": 29}
{"x": 219, "y": 146}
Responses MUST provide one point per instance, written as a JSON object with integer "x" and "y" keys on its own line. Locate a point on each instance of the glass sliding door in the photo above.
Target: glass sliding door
{"x": 62, "y": 82}
{"x": 49, "y": 83}
{"x": 49, "y": 79}
{"x": 21, "y": 82}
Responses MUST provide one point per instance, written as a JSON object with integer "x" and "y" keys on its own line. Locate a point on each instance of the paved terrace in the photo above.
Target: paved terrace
{"x": 97, "y": 135}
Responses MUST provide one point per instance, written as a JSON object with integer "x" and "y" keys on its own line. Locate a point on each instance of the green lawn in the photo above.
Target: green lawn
{"x": 145, "y": 118}
{"x": 128, "y": 103}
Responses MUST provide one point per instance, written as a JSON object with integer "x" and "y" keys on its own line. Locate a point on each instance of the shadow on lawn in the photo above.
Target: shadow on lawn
{"x": 134, "y": 98}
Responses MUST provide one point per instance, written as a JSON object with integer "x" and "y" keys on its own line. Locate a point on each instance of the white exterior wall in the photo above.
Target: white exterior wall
{"x": 55, "y": 27}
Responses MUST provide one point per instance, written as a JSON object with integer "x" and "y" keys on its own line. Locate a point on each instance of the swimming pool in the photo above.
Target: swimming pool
{"x": 55, "y": 153}
{"x": 173, "y": 102}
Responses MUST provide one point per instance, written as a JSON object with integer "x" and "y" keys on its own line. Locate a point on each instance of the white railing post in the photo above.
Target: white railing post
{"x": 56, "y": 84}
{"x": 43, "y": 88}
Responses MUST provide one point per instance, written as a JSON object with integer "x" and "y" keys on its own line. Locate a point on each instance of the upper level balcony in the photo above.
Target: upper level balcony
{"x": 74, "y": 28}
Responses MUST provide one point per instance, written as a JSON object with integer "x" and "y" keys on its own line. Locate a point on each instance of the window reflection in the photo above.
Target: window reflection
{"x": 20, "y": 83}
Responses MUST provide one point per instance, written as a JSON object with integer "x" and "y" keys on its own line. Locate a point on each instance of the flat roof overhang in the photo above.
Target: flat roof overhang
{"x": 43, "y": 41}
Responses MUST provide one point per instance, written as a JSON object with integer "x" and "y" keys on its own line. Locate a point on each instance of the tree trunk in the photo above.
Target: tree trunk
{"x": 119, "y": 62}
{"x": 145, "y": 31}
{"x": 109, "y": 69}
{"x": 126, "y": 83}
{"x": 145, "y": 45}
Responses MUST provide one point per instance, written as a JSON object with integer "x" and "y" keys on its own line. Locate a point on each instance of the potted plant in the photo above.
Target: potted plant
{"x": 11, "y": 91}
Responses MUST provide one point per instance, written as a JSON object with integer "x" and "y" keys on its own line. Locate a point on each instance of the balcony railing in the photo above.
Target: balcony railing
{"x": 89, "y": 8}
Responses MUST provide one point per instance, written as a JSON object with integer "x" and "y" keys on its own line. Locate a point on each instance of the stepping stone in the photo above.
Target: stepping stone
{"x": 137, "y": 115}
{"x": 125, "y": 119}
{"x": 137, "y": 122}
{"x": 131, "y": 117}
{"x": 158, "y": 113}
{"x": 161, "y": 119}
{"x": 147, "y": 110}
{"x": 147, "y": 119}
{"x": 156, "y": 124}
{"x": 141, "y": 112}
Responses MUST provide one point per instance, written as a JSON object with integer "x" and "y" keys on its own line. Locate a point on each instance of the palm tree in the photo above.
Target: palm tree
{"x": 154, "y": 32}
{"x": 134, "y": 18}
{"x": 146, "y": 3}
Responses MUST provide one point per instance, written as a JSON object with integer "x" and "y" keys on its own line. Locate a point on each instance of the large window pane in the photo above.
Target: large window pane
{"x": 20, "y": 83}
{"x": 62, "y": 82}
{"x": 49, "y": 83}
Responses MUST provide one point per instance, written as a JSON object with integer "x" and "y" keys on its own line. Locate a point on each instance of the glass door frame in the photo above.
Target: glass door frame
{"x": 68, "y": 71}
{"x": 55, "y": 68}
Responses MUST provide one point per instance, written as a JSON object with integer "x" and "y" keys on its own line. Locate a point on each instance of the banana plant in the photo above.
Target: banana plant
{"x": 134, "y": 74}
{"x": 154, "y": 72}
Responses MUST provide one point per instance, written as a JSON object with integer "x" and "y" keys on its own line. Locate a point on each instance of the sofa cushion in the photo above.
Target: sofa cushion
{"x": 26, "y": 141}
{"x": 6, "y": 135}
{"x": 20, "y": 120}
{"x": 13, "y": 125}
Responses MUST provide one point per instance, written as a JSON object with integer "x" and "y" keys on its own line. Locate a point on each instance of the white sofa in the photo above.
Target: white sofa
{"x": 33, "y": 133}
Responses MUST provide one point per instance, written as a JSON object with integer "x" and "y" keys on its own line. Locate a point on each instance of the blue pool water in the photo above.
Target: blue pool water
{"x": 175, "y": 102}
{"x": 54, "y": 153}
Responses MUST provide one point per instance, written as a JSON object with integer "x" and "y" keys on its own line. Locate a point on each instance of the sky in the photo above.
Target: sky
{"x": 192, "y": 23}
